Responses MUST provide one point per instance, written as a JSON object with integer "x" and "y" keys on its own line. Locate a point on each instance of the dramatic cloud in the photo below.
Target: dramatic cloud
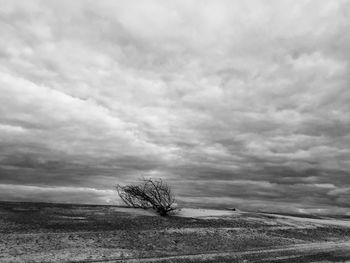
{"x": 235, "y": 103}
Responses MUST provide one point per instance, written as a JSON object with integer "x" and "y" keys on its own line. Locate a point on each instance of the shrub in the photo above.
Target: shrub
{"x": 150, "y": 193}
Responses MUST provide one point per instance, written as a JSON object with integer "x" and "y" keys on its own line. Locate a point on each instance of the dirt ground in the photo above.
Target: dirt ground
{"x": 36, "y": 232}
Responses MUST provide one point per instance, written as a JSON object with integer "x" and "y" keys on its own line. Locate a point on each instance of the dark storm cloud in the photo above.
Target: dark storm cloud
{"x": 228, "y": 100}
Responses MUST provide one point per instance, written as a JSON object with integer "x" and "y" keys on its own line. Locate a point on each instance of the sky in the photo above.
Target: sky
{"x": 234, "y": 103}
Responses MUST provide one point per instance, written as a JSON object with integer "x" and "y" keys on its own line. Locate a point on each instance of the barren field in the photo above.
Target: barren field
{"x": 36, "y": 232}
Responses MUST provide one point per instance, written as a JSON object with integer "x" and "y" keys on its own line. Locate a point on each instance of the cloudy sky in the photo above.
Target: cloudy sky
{"x": 234, "y": 103}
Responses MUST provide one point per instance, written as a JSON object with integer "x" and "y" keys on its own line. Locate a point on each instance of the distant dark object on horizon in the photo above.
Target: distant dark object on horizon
{"x": 150, "y": 193}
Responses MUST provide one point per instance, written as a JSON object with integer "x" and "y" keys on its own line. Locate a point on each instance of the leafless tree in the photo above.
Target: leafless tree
{"x": 150, "y": 193}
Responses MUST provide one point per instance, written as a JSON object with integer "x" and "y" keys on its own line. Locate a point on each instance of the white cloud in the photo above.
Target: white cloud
{"x": 56, "y": 194}
{"x": 178, "y": 87}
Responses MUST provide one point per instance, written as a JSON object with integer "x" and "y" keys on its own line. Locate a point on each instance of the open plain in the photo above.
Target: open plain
{"x": 40, "y": 232}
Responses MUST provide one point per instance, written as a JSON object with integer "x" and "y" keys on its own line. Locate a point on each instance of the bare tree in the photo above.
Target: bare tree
{"x": 150, "y": 193}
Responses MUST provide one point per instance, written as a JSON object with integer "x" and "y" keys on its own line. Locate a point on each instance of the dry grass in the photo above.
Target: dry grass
{"x": 58, "y": 233}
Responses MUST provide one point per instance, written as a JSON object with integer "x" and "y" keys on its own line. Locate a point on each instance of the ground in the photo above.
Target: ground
{"x": 37, "y": 232}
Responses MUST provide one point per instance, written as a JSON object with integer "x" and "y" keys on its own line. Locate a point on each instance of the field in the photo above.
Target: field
{"x": 38, "y": 232}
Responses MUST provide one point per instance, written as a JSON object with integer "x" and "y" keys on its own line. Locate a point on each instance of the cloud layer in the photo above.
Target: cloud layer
{"x": 233, "y": 102}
